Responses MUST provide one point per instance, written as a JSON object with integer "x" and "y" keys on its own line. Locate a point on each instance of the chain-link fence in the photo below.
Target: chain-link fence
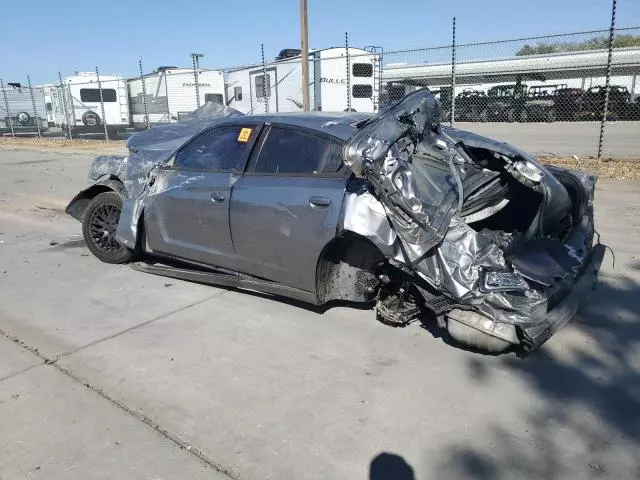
{"x": 548, "y": 94}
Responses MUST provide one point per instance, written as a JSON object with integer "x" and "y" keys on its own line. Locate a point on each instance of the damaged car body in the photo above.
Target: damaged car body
{"x": 425, "y": 221}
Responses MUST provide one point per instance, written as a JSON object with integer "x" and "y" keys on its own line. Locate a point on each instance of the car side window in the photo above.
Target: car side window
{"x": 288, "y": 151}
{"x": 220, "y": 150}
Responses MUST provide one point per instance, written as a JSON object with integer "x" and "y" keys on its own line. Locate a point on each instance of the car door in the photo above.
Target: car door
{"x": 286, "y": 206}
{"x": 187, "y": 210}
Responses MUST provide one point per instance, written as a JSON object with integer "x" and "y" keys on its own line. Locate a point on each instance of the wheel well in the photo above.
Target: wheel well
{"x": 347, "y": 269}
{"x": 78, "y": 206}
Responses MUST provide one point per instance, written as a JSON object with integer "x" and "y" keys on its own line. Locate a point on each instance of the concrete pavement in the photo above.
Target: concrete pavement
{"x": 621, "y": 139}
{"x": 267, "y": 389}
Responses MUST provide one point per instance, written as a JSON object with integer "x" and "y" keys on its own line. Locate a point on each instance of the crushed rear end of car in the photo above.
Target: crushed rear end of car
{"x": 499, "y": 248}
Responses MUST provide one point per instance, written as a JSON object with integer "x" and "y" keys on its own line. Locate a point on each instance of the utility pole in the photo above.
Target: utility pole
{"x": 195, "y": 57}
{"x": 304, "y": 54}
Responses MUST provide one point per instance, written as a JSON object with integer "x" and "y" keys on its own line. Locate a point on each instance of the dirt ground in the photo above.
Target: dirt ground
{"x": 62, "y": 145}
{"x": 606, "y": 168}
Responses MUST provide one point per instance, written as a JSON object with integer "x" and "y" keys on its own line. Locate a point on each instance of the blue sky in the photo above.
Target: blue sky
{"x": 113, "y": 34}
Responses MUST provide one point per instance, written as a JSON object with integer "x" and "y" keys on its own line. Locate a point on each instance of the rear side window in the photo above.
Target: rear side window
{"x": 93, "y": 95}
{"x": 219, "y": 150}
{"x": 287, "y": 151}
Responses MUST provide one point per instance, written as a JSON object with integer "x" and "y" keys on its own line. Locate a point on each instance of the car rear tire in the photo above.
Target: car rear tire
{"x": 99, "y": 229}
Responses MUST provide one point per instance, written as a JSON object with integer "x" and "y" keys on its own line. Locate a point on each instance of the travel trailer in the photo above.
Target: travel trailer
{"x": 77, "y": 103}
{"x": 20, "y": 114}
{"x": 171, "y": 93}
{"x": 330, "y": 89}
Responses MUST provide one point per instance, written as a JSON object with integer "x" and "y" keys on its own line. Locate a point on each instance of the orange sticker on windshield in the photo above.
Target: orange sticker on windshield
{"x": 244, "y": 135}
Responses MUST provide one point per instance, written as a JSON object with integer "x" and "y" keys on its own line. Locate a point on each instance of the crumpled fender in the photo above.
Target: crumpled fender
{"x": 78, "y": 204}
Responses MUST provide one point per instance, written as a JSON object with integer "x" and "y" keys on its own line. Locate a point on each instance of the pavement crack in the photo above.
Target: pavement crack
{"x": 179, "y": 441}
{"x": 139, "y": 325}
{"x": 182, "y": 443}
{"x": 19, "y": 372}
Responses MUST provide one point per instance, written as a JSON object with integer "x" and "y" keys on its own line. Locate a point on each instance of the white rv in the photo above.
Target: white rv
{"x": 48, "y": 89}
{"x": 77, "y": 101}
{"x": 330, "y": 89}
{"x": 20, "y": 114}
{"x": 171, "y": 93}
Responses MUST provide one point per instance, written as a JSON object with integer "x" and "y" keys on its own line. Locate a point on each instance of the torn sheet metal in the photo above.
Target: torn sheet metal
{"x": 418, "y": 205}
{"x": 418, "y": 172}
{"x": 364, "y": 214}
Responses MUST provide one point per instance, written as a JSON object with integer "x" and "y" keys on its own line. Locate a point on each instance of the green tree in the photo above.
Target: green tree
{"x": 595, "y": 43}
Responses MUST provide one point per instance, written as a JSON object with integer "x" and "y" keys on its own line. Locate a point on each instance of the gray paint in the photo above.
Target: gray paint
{"x": 277, "y": 232}
{"x": 187, "y": 215}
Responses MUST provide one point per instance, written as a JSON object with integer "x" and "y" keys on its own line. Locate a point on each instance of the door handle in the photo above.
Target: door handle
{"x": 217, "y": 197}
{"x": 321, "y": 202}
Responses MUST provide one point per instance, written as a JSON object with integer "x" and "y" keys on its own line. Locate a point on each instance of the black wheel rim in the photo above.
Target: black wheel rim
{"x": 102, "y": 228}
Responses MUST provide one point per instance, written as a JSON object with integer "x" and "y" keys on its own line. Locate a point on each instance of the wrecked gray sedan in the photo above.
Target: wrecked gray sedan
{"x": 429, "y": 223}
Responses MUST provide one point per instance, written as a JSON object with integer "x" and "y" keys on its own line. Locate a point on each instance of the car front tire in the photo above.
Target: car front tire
{"x": 99, "y": 229}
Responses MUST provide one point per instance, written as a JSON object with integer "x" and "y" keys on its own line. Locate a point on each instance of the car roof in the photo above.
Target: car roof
{"x": 337, "y": 124}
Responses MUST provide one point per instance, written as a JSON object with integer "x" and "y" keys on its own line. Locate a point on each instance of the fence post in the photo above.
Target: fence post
{"x": 64, "y": 105}
{"x": 605, "y": 107}
{"x": 6, "y": 106}
{"x": 346, "y": 47}
{"x": 196, "y": 65}
{"x": 36, "y": 119}
{"x": 264, "y": 81}
{"x": 304, "y": 57}
{"x": 104, "y": 118}
{"x": 453, "y": 74}
{"x": 144, "y": 95}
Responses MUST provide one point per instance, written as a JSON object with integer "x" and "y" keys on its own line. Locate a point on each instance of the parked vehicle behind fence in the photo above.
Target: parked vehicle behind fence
{"x": 594, "y": 98}
{"x": 76, "y": 103}
{"x": 506, "y": 102}
{"x": 171, "y": 94}
{"x": 20, "y": 115}
{"x": 471, "y": 106}
{"x": 567, "y": 103}
{"x": 539, "y": 103}
{"x": 276, "y": 86}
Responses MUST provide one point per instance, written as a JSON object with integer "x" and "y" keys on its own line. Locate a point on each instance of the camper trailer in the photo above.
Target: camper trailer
{"x": 48, "y": 89}
{"x": 20, "y": 114}
{"x": 77, "y": 102}
{"x": 277, "y": 87}
{"x": 171, "y": 93}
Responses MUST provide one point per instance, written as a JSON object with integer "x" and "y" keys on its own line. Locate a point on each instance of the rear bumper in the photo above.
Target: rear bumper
{"x": 533, "y": 337}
